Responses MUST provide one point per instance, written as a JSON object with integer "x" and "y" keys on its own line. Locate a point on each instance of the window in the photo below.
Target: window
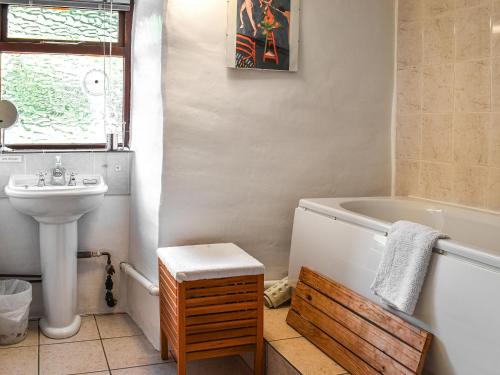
{"x": 68, "y": 72}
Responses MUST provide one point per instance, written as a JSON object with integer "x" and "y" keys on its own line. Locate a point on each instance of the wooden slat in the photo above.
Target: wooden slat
{"x": 167, "y": 303}
{"x": 224, "y": 317}
{"x": 167, "y": 287}
{"x": 172, "y": 337}
{"x": 217, "y": 300}
{"x": 210, "y": 318}
{"x": 374, "y": 335}
{"x": 221, "y": 290}
{"x": 219, "y": 344}
{"x": 411, "y": 335}
{"x": 332, "y": 348}
{"x": 203, "y": 310}
{"x": 220, "y": 352}
{"x": 167, "y": 279}
{"x": 259, "y": 365}
{"x": 181, "y": 323}
{"x": 170, "y": 321}
{"x": 220, "y": 282}
{"x": 218, "y": 335}
{"x": 245, "y": 323}
{"x": 363, "y": 349}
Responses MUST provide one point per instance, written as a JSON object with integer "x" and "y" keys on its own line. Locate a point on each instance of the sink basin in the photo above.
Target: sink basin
{"x": 55, "y": 204}
{"x": 57, "y": 209}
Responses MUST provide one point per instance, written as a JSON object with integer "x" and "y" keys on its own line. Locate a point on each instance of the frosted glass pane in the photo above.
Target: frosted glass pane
{"x": 60, "y": 98}
{"x": 84, "y": 25}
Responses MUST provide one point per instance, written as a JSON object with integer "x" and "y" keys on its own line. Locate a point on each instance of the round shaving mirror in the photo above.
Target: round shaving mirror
{"x": 8, "y": 114}
{"x": 8, "y": 117}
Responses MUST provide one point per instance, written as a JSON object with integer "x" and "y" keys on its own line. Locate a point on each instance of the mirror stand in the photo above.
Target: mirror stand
{"x": 3, "y": 148}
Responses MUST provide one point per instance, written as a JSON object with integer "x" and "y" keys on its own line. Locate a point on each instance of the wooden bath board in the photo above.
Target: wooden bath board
{"x": 355, "y": 332}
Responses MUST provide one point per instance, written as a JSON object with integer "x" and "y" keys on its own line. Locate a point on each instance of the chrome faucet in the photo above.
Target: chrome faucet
{"x": 41, "y": 179}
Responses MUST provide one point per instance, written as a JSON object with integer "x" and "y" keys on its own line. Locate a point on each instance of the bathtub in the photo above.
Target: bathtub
{"x": 344, "y": 238}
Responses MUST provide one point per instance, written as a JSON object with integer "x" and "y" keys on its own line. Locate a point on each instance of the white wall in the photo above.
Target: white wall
{"x": 105, "y": 228}
{"x": 242, "y": 147}
{"x": 147, "y": 142}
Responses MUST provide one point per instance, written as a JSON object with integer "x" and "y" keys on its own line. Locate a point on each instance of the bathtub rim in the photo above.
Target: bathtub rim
{"x": 334, "y": 210}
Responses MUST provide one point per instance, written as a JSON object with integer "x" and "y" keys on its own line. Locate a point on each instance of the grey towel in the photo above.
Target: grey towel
{"x": 404, "y": 265}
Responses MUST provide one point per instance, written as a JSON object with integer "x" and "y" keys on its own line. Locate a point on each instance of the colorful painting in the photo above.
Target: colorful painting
{"x": 263, "y": 34}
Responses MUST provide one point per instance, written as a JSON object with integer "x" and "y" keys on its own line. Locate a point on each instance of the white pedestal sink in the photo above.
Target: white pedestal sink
{"x": 57, "y": 209}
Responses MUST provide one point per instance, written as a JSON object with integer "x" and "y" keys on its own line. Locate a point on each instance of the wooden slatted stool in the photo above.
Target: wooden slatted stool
{"x": 211, "y": 303}
{"x": 355, "y": 332}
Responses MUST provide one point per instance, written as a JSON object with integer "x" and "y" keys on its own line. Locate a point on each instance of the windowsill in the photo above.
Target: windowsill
{"x": 62, "y": 151}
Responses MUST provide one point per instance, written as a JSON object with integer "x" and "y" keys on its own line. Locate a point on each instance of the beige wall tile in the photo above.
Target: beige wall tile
{"x": 470, "y": 185}
{"x": 408, "y": 136}
{"x": 307, "y": 358}
{"x": 409, "y": 90}
{"x": 409, "y": 10}
{"x": 433, "y": 8}
{"x": 407, "y": 177}
{"x": 472, "y": 86}
{"x": 438, "y": 40}
{"x": 472, "y": 33}
{"x": 495, "y": 34}
{"x": 470, "y": 138}
{"x": 493, "y": 192}
{"x": 436, "y": 181}
{"x": 494, "y": 141}
{"x": 437, "y": 137}
{"x": 437, "y": 81}
{"x": 471, "y": 3}
{"x": 409, "y": 44}
{"x": 495, "y": 88}
{"x": 496, "y": 5}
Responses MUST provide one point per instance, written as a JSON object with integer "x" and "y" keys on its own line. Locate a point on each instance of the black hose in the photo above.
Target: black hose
{"x": 110, "y": 270}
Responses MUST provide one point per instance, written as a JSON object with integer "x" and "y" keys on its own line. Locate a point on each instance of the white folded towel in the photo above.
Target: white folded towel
{"x": 404, "y": 265}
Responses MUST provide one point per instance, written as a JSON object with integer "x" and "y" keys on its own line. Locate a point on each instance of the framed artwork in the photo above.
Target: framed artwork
{"x": 263, "y": 34}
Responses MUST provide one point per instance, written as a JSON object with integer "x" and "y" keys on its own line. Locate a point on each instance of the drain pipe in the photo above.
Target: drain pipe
{"x": 148, "y": 285}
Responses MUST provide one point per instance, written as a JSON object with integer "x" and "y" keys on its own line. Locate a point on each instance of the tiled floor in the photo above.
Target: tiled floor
{"x": 105, "y": 344}
{"x": 114, "y": 345}
{"x": 288, "y": 353}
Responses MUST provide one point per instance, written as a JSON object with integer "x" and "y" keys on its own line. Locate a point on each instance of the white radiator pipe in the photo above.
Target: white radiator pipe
{"x": 153, "y": 289}
{"x": 132, "y": 272}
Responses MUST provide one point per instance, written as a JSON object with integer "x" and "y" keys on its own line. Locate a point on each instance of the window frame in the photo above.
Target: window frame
{"x": 120, "y": 49}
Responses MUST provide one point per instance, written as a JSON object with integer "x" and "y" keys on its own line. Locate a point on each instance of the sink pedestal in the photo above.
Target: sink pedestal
{"x": 58, "y": 250}
{"x": 57, "y": 210}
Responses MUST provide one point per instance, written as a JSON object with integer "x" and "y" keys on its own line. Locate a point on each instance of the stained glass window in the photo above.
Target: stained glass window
{"x": 79, "y": 25}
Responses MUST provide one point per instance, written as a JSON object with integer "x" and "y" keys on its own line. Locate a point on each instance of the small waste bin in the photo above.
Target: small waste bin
{"x": 15, "y": 300}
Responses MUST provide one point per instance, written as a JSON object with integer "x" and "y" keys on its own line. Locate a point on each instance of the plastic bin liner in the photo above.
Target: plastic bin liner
{"x": 15, "y": 300}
